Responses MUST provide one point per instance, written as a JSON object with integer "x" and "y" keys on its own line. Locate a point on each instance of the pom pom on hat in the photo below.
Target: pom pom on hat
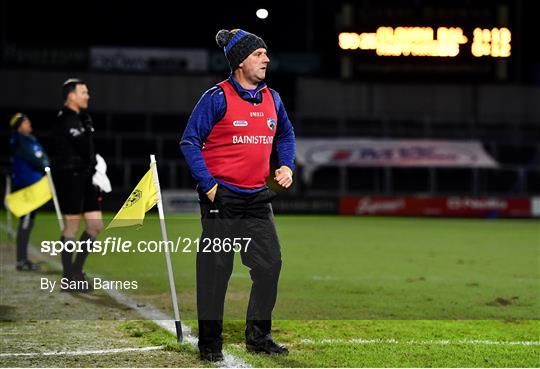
{"x": 223, "y": 37}
{"x": 238, "y": 44}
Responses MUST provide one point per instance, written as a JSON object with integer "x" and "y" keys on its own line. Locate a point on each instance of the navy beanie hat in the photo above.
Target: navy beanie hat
{"x": 238, "y": 44}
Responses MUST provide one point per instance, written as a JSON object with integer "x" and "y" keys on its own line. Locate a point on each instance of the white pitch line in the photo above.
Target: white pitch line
{"x": 88, "y": 352}
{"x": 165, "y": 322}
{"x": 157, "y": 316}
{"x": 367, "y": 341}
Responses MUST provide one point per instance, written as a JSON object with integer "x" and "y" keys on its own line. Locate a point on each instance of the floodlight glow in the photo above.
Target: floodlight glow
{"x": 262, "y": 13}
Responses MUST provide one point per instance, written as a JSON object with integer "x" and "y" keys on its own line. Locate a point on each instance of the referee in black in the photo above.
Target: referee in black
{"x": 73, "y": 164}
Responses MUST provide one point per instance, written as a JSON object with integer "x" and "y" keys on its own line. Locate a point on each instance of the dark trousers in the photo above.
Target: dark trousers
{"x": 237, "y": 216}
{"x": 26, "y": 223}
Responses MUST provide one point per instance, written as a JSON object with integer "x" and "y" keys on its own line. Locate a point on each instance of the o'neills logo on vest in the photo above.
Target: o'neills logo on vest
{"x": 253, "y": 140}
{"x": 240, "y": 123}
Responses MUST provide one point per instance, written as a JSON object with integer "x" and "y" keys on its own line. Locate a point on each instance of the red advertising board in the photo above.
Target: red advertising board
{"x": 460, "y": 206}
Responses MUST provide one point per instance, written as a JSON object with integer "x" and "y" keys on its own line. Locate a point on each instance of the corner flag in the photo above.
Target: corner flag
{"x": 30, "y": 198}
{"x": 142, "y": 198}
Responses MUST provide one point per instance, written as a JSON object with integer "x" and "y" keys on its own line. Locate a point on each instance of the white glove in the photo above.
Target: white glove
{"x": 100, "y": 178}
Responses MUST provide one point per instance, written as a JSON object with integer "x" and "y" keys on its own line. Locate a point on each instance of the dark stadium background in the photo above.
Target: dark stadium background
{"x": 138, "y": 112}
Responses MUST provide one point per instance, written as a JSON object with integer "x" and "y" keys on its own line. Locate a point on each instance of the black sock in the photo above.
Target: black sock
{"x": 23, "y": 235}
{"x": 81, "y": 256}
{"x": 66, "y": 258}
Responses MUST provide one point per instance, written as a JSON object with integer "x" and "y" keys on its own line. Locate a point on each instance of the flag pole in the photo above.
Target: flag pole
{"x": 9, "y": 219}
{"x": 177, "y": 322}
{"x": 55, "y": 199}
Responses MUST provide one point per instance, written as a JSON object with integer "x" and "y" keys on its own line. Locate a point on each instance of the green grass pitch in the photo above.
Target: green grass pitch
{"x": 366, "y": 291}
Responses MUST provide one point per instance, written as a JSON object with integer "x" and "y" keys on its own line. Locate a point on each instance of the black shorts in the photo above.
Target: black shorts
{"x": 76, "y": 193}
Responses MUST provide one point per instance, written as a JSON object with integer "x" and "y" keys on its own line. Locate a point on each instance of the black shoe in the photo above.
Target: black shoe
{"x": 27, "y": 266}
{"x": 212, "y": 356}
{"x": 268, "y": 347}
{"x": 83, "y": 284}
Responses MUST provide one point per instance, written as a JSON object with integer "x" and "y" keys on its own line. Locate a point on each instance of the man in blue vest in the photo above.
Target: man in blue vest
{"x": 28, "y": 161}
{"x": 227, "y": 144}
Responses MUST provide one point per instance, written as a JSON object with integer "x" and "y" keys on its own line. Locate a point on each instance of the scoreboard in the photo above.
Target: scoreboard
{"x": 457, "y": 41}
{"x": 427, "y": 42}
